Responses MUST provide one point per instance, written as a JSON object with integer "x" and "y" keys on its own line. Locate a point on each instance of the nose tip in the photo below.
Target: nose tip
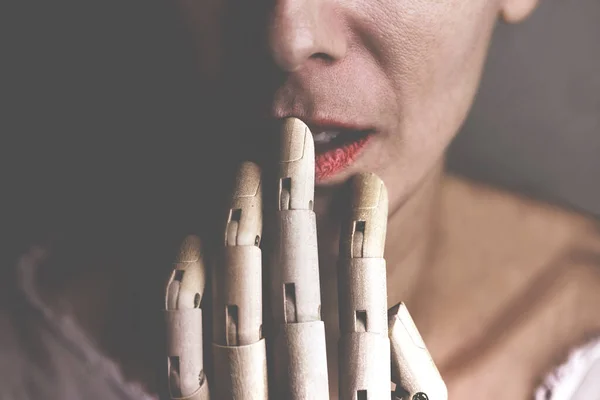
{"x": 292, "y": 48}
{"x": 301, "y": 30}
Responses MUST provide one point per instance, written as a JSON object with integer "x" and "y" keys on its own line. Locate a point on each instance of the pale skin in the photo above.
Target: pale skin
{"x": 500, "y": 286}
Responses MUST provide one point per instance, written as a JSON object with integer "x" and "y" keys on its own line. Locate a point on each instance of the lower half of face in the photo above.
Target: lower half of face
{"x": 384, "y": 85}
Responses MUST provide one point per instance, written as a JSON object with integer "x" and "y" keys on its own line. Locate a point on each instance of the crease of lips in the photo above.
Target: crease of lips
{"x": 333, "y": 157}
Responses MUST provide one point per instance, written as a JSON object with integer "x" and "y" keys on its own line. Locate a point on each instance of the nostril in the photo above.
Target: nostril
{"x": 322, "y": 56}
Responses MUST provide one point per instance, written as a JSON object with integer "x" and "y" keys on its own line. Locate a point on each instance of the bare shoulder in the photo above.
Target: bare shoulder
{"x": 520, "y": 222}
{"x": 541, "y": 287}
{"x": 534, "y": 235}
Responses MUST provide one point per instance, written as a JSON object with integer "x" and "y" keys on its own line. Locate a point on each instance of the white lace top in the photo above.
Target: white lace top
{"x": 577, "y": 379}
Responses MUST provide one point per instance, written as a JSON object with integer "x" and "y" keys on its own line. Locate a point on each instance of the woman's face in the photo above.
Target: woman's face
{"x": 393, "y": 78}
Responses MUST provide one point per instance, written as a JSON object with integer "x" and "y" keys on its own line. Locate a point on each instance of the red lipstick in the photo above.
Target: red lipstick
{"x": 332, "y": 161}
{"x": 338, "y": 143}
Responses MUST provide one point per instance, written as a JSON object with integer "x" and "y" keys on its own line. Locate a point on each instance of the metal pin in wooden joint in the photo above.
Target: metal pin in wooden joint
{"x": 240, "y": 362}
{"x": 300, "y": 356}
{"x": 183, "y": 297}
{"x": 413, "y": 370}
{"x": 364, "y": 347}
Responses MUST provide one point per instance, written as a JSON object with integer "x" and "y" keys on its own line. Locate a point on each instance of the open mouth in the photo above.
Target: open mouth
{"x": 336, "y": 150}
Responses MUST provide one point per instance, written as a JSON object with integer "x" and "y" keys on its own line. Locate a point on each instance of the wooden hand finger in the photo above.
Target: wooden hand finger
{"x": 364, "y": 348}
{"x": 300, "y": 360}
{"x": 413, "y": 371}
{"x": 185, "y": 288}
{"x": 239, "y": 351}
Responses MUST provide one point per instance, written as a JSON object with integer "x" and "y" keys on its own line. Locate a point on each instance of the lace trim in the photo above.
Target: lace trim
{"x": 565, "y": 381}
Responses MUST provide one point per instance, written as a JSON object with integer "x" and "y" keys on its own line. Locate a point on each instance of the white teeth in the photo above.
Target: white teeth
{"x": 325, "y": 137}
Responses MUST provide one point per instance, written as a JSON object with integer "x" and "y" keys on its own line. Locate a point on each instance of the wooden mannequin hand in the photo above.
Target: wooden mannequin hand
{"x": 370, "y": 336}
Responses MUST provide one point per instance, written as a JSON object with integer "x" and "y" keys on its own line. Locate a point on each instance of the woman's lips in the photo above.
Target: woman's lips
{"x": 332, "y": 159}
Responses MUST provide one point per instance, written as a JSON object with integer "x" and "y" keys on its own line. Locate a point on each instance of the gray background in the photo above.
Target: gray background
{"x": 535, "y": 125}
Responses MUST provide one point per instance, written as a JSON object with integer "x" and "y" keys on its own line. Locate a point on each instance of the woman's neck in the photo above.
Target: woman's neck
{"x": 411, "y": 237}
{"x": 410, "y": 234}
